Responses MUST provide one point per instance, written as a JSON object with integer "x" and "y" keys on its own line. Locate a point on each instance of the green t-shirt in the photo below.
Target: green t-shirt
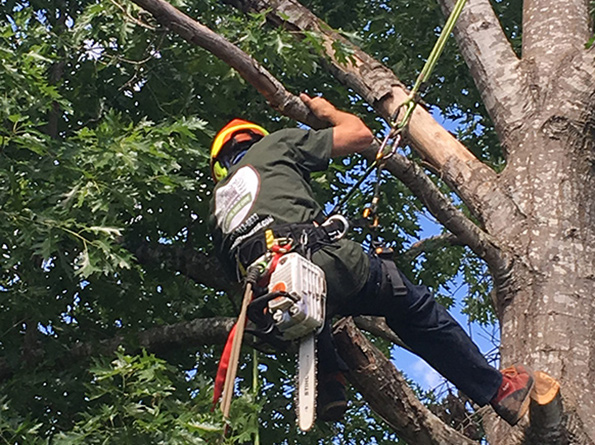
{"x": 271, "y": 186}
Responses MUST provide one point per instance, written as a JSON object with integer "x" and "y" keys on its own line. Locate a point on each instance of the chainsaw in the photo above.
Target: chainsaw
{"x": 298, "y": 312}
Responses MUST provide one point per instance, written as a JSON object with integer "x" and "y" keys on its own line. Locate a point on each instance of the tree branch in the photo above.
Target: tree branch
{"x": 185, "y": 334}
{"x": 387, "y": 392}
{"x": 476, "y": 184}
{"x": 432, "y": 243}
{"x": 264, "y": 82}
{"x": 377, "y": 326}
{"x": 198, "y": 332}
{"x": 494, "y": 66}
{"x": 56, "y": 72}
{"x": 198, "y": 266}
{"x": 464, "y": 229}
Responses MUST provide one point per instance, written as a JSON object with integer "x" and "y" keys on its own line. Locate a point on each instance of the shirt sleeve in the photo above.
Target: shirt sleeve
{"x": 315, "y": 149}
{"x": 310, "y": 150}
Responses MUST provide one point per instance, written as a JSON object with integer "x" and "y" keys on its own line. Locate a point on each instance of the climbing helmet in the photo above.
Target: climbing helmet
{"x": 231, "y": 143}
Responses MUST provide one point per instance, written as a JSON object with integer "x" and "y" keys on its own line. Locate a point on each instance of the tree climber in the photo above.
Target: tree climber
{"x": 263, "y": 183}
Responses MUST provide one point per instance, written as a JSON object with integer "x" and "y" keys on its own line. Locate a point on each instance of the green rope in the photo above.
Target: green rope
{"x": 439, "y": 46}
{"x": 255, "y": 389}
{"x": 395, "y": 133}
{"x": 409, "y": 105}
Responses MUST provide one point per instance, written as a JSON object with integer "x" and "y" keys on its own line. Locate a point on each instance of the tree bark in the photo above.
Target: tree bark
{"x": 494, "y": 66}
{"x": 388, "y": 393}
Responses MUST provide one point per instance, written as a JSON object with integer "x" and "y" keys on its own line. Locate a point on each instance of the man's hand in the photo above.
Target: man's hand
{"x": 350, "y": 134}
{"x": 321, "y": 107}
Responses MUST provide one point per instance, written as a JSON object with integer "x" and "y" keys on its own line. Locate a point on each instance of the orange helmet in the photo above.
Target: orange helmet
{"x": 226, "y": 142}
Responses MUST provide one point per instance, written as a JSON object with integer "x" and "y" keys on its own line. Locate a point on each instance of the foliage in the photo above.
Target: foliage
{"x": 105, "y": 124}
{"x": 16, "y": 429}
{"x": 134, "y": 399}
{"x": 591, "y": 41}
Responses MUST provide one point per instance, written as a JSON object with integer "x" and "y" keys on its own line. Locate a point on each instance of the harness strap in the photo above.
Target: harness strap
{"x": 391, "y": 278}
{"x": 306, "y": 239}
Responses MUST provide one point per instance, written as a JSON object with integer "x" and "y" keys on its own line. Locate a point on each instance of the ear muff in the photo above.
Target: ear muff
{"x": 218, "y": 171}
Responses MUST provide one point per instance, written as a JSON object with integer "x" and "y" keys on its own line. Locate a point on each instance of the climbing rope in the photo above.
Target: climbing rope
{"x": 394, "y": 135}
{"x": 411, "y": 102}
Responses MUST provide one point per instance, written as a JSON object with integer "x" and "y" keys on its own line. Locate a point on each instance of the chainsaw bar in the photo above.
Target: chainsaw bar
{"x": 299, "y": 314}
{"x": 306, "y": 385}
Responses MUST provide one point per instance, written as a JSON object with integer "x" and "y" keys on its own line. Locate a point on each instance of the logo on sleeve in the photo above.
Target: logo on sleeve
{"x": 234, "y": 200}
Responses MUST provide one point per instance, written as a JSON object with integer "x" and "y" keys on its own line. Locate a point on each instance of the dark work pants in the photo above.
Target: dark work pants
{"x": 427, "y": 328}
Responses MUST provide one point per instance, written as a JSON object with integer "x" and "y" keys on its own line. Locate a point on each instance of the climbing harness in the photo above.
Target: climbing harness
{"x": 325, "y": 231}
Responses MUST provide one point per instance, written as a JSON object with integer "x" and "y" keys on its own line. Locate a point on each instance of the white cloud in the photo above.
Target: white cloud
{"x": 425, "y": 375}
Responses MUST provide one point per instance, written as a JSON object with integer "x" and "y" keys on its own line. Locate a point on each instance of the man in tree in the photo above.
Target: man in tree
{"x": 263, "y": 183}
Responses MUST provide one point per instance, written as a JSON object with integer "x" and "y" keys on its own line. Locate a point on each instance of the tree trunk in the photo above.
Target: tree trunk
{"x": 537, "y": 216}
{"x": 547, "y": 313}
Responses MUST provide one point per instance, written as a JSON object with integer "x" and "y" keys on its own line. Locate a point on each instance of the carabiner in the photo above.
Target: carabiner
{"x": 338, "y": 234}
{"x": 393, "y": 135}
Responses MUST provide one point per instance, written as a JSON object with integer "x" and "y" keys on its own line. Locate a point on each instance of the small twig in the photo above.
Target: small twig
{"x": 131, "y": 18}
{"x": 419, "y": 247}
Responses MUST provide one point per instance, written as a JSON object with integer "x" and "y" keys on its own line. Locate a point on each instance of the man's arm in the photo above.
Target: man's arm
{"x": 350, "y": 134}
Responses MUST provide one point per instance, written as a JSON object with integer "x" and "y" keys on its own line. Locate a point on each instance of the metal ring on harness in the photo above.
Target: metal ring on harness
{"x": 337, "y": 234}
